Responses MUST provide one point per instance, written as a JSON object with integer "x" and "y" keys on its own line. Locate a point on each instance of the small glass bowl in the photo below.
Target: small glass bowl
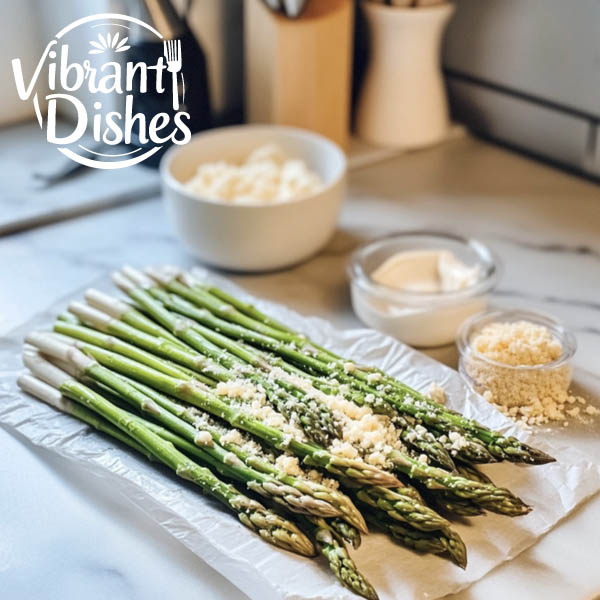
{"x": 524, "y": 382}
{"x": 423, "y": 319}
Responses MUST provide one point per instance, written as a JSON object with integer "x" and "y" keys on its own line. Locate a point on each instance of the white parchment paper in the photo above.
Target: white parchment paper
{"x": 264, "y": 572}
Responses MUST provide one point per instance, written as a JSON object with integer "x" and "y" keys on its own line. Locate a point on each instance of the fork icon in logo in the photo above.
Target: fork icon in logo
{"x": 172, "y": 52}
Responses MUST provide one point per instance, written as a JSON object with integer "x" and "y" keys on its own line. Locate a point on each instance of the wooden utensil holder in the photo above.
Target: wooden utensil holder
{"x": 298, "y": 72}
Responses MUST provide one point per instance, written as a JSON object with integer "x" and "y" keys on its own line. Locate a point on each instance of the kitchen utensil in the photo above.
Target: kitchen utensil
{"x": 187, "y": 63}
{"x": 290, "y": 8}
{"x": 64, "y": 167}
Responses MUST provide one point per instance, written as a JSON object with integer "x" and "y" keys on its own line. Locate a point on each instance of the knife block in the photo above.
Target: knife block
{"x": 298, "y": 71}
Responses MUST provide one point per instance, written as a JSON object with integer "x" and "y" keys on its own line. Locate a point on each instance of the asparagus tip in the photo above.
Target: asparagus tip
{"x": 539, "y": 457}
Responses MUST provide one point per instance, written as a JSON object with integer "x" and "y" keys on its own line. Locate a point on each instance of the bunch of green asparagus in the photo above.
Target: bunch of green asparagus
{"x": 304, "y": 446}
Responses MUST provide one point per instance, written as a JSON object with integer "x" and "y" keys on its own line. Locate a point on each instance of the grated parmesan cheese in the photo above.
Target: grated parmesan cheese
{"x": 233, "y": 436}
{"x": 365, "y": 434}
{"x": 288, "y": 464}
{"x": 232, "y": 460}
{"x": 203, "y": 438}
{"x": 532, "y": 396}
{"x": 373, "y": 378}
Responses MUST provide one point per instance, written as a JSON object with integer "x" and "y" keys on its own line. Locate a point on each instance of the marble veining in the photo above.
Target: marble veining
{"x": 582, "y": 250}
{"x": 550, "y": 299}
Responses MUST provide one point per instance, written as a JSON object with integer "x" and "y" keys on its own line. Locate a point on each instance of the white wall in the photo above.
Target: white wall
{"x": 20, "y": 39}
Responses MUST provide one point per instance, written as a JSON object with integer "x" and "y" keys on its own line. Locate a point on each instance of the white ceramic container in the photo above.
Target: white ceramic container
{"x": 253, "y": 237}
{"x": 402, "y": 102}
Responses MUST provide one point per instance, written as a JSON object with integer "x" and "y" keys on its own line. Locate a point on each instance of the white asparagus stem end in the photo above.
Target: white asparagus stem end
{"x": 90, "y": 316}
{"x": 111, "y": 306}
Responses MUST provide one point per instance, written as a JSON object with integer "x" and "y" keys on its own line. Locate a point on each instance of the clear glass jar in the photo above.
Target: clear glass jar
{"x": 515, "y": 386}
{"x": 423, "y": 319}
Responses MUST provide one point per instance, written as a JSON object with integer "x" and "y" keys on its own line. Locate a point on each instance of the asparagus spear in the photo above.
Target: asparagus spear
{"x": 460, "y": 506}
{"x": 447, "y": 503}
{"x": 488, "y": 496}
{"x": 500, "y": 446}
{"x": 472, "y": 472}
{"x": 152, "y": 359}
{"x": 400, "y": 507}
{"x": 408, "y": 489}
{"x": 50, "y": 395}
{"x": 128, "y": 314}
{"x": 348, "y": 533}
{"x": 437, "y": 542}
{"x": 470, "y": 449}
{"x": 269, "y": 525}
{"x": 195, "y": 393}
{"x": 340, "y": 563}
{"x": 244, "y": 307}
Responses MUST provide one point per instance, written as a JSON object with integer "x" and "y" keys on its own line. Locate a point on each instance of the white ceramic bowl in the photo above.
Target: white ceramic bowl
{"x": 253, "y": 237}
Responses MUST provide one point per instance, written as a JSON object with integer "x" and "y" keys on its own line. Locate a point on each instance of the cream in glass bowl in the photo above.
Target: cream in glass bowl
{"x": 420, "y": 287}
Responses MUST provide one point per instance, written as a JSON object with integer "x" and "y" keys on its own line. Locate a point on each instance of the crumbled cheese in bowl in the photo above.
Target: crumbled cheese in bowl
{"x": 521, "y": 366}
{"x": 520, "y": 343}
{"x": 267, "y": 176}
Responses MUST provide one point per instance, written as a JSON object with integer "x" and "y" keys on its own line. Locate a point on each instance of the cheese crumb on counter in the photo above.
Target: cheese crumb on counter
{"x": 533, "y": 396}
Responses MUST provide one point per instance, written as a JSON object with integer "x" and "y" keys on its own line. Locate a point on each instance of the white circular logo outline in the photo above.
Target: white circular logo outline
{"x": 82, "y": 160}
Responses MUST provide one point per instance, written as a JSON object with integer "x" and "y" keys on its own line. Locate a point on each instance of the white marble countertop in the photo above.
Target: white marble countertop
{"x": 62, "y": 535}
{"x": 26, "y": 201}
